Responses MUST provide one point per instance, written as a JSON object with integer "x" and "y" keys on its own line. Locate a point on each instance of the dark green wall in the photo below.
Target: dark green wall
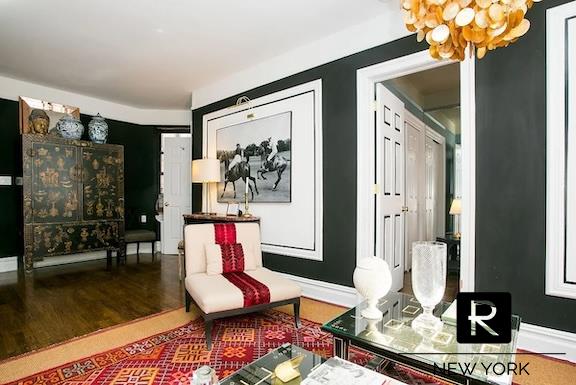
{"x": 511, "y": 176}
{"x": 141, "y": 173}
{"x": 339, "y": 158}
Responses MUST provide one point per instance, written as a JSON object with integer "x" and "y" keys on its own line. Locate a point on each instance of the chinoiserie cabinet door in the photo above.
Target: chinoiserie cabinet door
{"x": 102, "y": 183}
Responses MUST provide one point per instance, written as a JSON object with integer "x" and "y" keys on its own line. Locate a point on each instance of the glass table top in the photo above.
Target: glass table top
{"x": 394, "y": 334}
{"x": 259, "y": 371}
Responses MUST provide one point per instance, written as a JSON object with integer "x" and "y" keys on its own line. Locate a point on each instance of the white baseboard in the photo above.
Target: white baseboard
{"x": 11, "y": 263}
{"x": 326, "y": 292}
{"x": 539, "y": 339}
{"x": 8, "y": 264}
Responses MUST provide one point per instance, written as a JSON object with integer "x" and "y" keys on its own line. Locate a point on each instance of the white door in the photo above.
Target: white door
{"x": 177, "y": 191}
{"x": 391, "y": 182}
{"x": 435, "y": 188}
{"x": 414, "y": 184}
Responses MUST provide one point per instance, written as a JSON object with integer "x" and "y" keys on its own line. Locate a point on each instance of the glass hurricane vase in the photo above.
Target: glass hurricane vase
{"x": 428, "y": 282}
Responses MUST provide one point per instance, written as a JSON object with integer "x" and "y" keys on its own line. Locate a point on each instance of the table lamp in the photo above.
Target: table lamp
{"x": 456, "y": 210}
{"x": 206, "y": 171}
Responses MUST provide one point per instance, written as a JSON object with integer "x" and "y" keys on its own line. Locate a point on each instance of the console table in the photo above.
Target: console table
{"x": 394, "y": 341}
{"x": 190, "y": 219}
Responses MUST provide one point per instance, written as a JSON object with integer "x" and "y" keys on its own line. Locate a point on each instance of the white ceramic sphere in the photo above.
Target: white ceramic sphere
{"x": 372, "y": 278}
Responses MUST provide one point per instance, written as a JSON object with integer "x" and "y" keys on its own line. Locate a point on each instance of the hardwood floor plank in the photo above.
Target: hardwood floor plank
{"x": 62, "y": 302}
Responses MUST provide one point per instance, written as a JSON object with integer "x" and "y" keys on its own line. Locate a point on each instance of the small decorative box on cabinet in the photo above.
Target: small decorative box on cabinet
{"x": 73, "y": 197}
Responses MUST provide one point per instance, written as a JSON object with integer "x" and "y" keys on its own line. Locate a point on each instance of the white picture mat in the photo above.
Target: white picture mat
{"x": 571, "y": 156}
{"x": 295, "y": 228}
{"x": 560, "y": 136}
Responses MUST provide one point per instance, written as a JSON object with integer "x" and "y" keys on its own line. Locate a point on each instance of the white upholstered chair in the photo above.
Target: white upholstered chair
{"x": 214, "y": 294}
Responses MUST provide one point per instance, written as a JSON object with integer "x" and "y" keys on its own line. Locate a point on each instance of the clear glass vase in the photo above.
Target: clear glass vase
{"x": 428, "y": 283}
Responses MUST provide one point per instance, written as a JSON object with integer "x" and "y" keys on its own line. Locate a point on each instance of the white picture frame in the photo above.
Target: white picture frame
{"x": 561, "y": 163}
{"x": 294, "y": 228}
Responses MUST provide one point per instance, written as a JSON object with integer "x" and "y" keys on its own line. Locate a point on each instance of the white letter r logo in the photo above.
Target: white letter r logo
{"x": 479, "y": 319}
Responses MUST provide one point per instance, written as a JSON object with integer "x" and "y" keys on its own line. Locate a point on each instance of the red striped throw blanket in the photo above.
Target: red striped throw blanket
{"x": 254, "y": 291}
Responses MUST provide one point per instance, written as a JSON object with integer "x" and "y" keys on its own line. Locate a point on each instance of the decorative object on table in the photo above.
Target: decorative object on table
{"x": 288, "y": 370}
{"x": 449, "y": 315}
{"x": 249, "y": 151}
{"x": 428, "y": 282}
{"x": 336, "y": 371}
{"x": 206, "y": 171}
{"x": 372, "y": 279}
{"x": 456, "y": 210}
{"x": 204, "y": 375}
{"x": 98, "y": 129}
{"x": 40, "y": 117}
{"x": 451, "y": 26}
{"x": 73, "y": 197}
{"x": 70, "y": 128}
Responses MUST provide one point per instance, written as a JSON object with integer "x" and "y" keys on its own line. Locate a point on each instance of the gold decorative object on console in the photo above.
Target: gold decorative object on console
{"x": 288, "y": 370}
{"x": 449, "y": 26}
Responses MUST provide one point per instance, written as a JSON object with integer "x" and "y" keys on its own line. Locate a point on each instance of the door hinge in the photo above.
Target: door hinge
{"x": 375, "y": 189}
{"x": 375, "y": 105}
{"x": 404, "y": 209}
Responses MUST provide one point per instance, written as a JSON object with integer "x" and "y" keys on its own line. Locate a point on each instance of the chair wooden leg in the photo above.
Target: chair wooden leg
{"x": 188, "y": 300}
{"x": 297, "y": 314}
{"x": 208, "y": 331}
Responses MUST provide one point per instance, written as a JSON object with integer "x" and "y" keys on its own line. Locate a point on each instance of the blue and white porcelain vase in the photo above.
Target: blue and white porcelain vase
{"x": 98, "y": 129}
{"x": 69, "y": 127}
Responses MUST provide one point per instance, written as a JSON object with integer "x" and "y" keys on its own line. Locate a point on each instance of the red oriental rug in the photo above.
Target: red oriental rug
{"x": 171, "y": 356}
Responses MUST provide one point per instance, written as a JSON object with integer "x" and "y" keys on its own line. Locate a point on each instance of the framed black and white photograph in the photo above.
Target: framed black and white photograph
{"x": 279, "y": 137}
{"x": 257, "y": 151}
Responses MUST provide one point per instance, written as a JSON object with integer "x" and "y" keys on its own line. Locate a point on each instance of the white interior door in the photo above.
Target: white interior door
{"x": 435, "y": 188}
{"x": 177, "y": 191}
{"x": 415, "y": 181}
{"x": 390, "y": 177}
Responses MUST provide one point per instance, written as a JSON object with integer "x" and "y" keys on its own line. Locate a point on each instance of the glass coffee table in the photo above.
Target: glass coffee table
{"x": 259, "y": 372}
{"x": 438, "y": 355}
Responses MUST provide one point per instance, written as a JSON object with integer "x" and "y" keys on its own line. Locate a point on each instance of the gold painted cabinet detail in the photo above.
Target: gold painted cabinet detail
{"x": 73, "y": 197}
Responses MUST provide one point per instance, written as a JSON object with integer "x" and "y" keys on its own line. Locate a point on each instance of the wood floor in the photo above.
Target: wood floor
{"x": 63, "y": 302}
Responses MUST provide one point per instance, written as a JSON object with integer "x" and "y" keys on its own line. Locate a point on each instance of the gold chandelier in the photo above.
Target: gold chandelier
{"x": 449, "y": 26}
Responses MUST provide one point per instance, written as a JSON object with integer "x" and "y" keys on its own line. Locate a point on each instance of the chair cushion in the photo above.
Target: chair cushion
{"x": 196, "y": 236}
{"x": 229, "y": 258}
{"x": 139, "y": 236}
{"x": 214, "y": 293}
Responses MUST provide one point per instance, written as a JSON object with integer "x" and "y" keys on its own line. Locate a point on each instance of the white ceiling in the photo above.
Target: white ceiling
{"x": 153, "y": 53}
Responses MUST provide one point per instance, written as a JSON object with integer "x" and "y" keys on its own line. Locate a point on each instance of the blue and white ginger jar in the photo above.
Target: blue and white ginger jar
{"x": 69, "y": 127}
{"x": 98, "y": 129}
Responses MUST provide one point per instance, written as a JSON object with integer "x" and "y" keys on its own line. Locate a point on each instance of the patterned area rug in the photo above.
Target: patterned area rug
{"x": 171, "y": 356}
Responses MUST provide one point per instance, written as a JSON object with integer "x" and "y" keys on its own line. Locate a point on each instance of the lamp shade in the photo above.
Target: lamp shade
{"x": 205, "y": 170}
{"x": 456, "y": 207}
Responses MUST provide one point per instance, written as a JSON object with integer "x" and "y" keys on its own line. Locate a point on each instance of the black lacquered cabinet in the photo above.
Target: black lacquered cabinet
{"x": 73, "y": 197}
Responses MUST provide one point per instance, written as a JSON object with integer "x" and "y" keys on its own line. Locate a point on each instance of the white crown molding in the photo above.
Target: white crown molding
{"x": 11, "y": 89}
{"x": 374, "y": 32}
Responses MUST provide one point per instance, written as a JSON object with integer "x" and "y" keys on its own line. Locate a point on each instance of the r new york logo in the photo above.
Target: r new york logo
{"x": 483, "y": 318}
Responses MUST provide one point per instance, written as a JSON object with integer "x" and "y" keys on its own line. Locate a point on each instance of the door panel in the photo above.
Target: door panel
{"x": 415, "y": 183}
{"x": 177, "y": 191}
{"x": 391, "y": 176}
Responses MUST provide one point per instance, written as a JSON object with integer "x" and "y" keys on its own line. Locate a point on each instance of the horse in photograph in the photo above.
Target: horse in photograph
{"x": 240, "y": 170}
{"x": 278, "y": 163}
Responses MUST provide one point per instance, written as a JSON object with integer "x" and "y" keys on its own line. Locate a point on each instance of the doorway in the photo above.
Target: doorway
{"x": 175, "y": 188}
{"x": 410, "y": 176}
